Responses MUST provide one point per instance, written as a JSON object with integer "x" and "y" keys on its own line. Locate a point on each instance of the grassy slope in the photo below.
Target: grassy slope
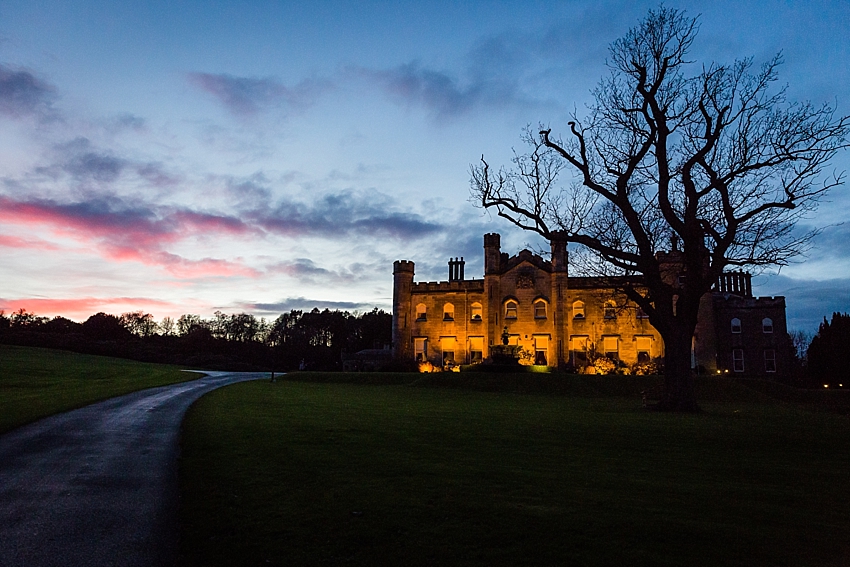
{"x": 36, "y": 382}
{"x": 300, "y": 473}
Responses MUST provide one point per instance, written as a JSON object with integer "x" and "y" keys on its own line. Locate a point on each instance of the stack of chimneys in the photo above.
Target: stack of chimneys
{"x": 456, "y": 269}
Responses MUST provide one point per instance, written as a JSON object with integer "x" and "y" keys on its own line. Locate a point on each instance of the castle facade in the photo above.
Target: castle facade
{"x": 574, "y": 322}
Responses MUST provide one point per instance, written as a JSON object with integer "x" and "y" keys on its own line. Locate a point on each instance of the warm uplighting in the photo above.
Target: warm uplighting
{"x": 826, "y": 385}
{"x": 427, "y": 367}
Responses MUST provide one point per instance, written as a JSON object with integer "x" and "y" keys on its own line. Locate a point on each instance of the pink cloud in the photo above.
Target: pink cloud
{"x": 135, "y": 234}
{"x": 81, "y": 308}
{"x": 15, "y": 242}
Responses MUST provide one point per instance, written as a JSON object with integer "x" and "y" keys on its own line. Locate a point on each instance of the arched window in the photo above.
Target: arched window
{"x": 448, "y": 312}
{"x": 578, "y": 310}
{"x": 540, "y": 309}
{"x": 510, "y": 310}
{"x": 475, "y": 311}
{"x": 736, "y": 326}
{"x": 421, "y": 312}
{"x": 610, "y": 309}
{"x": 767, "y": 325}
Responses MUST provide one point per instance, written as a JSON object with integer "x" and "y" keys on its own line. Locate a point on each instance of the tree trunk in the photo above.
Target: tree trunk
{"x": 679, "y": 392}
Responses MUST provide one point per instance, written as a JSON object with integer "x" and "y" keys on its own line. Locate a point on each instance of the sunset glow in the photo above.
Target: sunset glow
{"x": 260, "y": 157}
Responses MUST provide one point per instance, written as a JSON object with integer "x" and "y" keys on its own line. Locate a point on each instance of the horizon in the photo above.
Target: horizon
{"x": 189, "y": 158}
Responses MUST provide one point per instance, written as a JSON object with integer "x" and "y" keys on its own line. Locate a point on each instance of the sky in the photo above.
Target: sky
{"x": 193, "y": 156}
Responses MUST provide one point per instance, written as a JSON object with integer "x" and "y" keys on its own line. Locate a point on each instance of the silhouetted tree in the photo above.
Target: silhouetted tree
{"x": 186, "y": 322}
{"x": 102, "y": 326}
{"x": 826, "y": 356}
{"x": 717, "y": 161}
{"x": 139, "y": 323}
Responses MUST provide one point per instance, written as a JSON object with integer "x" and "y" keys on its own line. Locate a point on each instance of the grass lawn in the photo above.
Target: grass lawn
{"x": 37, "y": 382}
{"x": 317, "y": 473}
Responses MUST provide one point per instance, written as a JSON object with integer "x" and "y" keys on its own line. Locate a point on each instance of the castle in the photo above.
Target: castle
{"x": 574, "y": 322}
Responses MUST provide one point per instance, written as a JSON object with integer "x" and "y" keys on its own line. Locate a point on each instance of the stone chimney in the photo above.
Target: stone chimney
{"x": 456, "y": 269}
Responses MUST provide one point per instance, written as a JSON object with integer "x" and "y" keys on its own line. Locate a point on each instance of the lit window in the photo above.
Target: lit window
{"x": 611, "y": 348}
{"x": 510, "y": 310}
{"x": 447, "y": 345}
{"x": 644, "y": 348}
{"x": 767, "y": 325}
{"x": 420, "y": 349}
{"x": 737, "y": 360}
{"x": 578, "y": 310}
{"x": 420, "y": 312}
{"x": 540, "y": 309}
{"x": 475, "y": 309}
{"x": 541, "y": 349}
{"x": 769, "y": 360}
{"x": 448, "y": 312}
{"x": 610, "y": 310}
{"x": 476, "y": 349}
{"x": 736, "y": 326}
{"x": 578, "y": 351}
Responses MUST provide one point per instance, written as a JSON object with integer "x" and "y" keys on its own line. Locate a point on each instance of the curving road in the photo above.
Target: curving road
{"x": 98, "y": 485}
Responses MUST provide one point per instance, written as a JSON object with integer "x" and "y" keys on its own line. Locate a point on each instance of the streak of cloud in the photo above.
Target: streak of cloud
{"x": 342, "y": 214}
{"x": 246, "y": 96}
{"x": 23, "y": 94}
{"x": 304, "y": 304}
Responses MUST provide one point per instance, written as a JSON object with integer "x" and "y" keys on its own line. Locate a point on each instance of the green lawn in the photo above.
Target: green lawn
{"x": 37, "y": 382}
{"x": 313, "y": 473}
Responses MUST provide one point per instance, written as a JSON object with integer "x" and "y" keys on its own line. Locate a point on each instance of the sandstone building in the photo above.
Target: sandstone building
{"x": 565, "y": 321}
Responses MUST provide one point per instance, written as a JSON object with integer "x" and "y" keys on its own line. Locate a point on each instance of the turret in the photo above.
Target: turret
{"x": 402, "y": 283}
{"x": 558, "y": 242}
{"x": 492, "y": 253}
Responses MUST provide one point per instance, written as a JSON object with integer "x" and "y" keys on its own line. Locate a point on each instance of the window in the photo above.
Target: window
{"x": 448, "y": 312}
{"x": 541, "y": 349}
{"x": 420, "y": 312}
{"x": 476, "y": 349}
{"x": 510, "y": 310}
{"x": 611, "y": 347}
{"x": 420, "y": 349}
{"x": 539, "y": 309}
{"x": 767, "y": 325}
{"x": 610, "y": 310}
{"x": 578, "y": 310}
{"x": 644, "y": 348}
{"x": 475, "y": 310}
{"x": 578, "y": 351}
{"x": 447, "y": 345}
{"x": 640, "y": 313}
{"x": 769, "y": 360}
{"x": 738, "y": 360}
{"x": 736, "y": 326}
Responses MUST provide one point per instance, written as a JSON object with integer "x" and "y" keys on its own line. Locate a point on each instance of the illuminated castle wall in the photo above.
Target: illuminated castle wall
{"x": 560, "y": 320}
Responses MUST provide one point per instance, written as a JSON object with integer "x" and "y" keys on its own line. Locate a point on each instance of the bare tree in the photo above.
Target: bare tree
{"x": 718, "y": 161}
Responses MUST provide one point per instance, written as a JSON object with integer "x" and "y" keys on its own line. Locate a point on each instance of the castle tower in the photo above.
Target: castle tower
{"x": 402, "y": 285}
{"x": 492, "y": 253}
{"x": 492, "y": 283}
{"x": 558, "y": 296}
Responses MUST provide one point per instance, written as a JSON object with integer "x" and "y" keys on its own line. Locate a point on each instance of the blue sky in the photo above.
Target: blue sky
{"x": 183, "y": 157}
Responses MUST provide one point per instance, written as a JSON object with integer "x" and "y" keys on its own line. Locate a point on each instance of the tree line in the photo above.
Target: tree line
{"x": 313, "y": 339}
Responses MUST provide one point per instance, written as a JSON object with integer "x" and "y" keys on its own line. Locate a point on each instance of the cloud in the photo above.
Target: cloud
{"x": 23, "y": 94}
{"x": 341, "y": 214}
{"x": 127, "y": 231}
{"x": 245, "y": 96}
{"x": 83, "y": 307}
{"x": 807, "y": 301}
{"x": 439, "y": 92}
{"x": 304, "y": 304}
{"x": 26, "y": 243}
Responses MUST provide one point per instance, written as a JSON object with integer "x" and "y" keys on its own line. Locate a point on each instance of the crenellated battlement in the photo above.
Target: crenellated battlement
{"x": 457, "y": 285}
{"x": 403, "y": 266}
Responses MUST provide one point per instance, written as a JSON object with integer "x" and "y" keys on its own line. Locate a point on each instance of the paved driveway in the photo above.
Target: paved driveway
{"x": 98, "y": 485}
